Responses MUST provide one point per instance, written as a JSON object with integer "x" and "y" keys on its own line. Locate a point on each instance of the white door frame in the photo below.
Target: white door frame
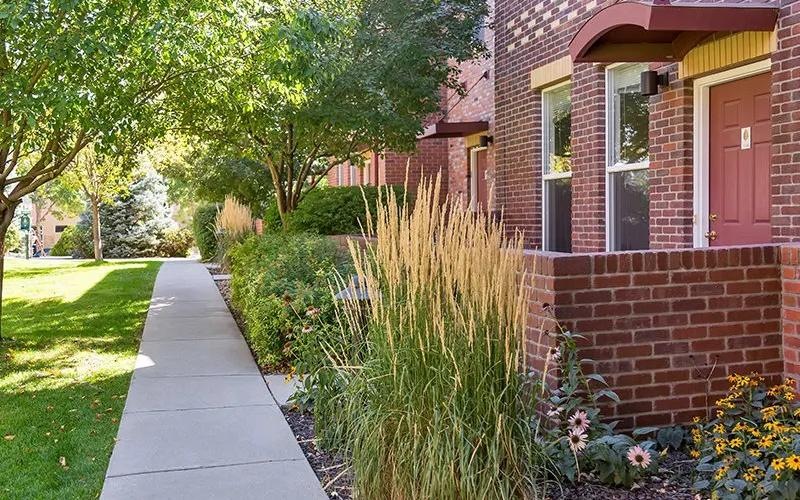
{"x": 701, "y": 129}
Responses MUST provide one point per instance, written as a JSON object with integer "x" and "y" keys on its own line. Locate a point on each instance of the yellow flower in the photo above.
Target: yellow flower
{"x": 697, "y": 436}
{"x": 769, "y": 412}
{"x": 696, "y": 420}
{"x": 720, "y": 473}
{"x": 694, "y": 454}
{"x": 719, "y": 429}
{"x": 778, "y": 464}
{"x": 793, "y": 462}
{"x": 736, "y": 442}
{"x": 755, "y": 453}
{"x": 765, "y": 442}
{"x": 753, "y": 474}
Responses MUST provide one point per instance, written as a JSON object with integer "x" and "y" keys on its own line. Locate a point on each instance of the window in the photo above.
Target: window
{"x": 60, "y": 229}
{"x": 339, "y": 175}
{"x": 557, "y": 169}
{"x": 353, "y": 175}
{"x": 366, "y": 169}
{"x": 627, "y": 150}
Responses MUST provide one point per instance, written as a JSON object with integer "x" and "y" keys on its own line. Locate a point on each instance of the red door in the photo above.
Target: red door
{"x": 740, "y": 140}
{"x": 482, "y": 195}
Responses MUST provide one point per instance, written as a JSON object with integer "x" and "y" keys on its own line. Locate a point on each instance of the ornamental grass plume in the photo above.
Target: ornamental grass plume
{"x": 234, "y": 220}
{"x": 437, "y": 406}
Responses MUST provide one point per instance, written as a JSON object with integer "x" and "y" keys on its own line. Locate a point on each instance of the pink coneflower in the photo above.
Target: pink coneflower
{"x": 308, "y": 329}
{"x": 639, "y": 457}
{"x": 312, "y": 312}
{"x": 555, "y": 411}
{"x": 579, "y": 421}
{"x": 556, "y": 354}
{"x": 577, "y": 440}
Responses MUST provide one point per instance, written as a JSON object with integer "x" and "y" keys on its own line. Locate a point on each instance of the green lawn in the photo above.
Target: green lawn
{"x": 64, "y": 377}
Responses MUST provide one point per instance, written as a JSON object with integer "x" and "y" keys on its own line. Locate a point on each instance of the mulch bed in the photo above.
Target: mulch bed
{"x": 673, "y": 481}
{"x": 331, "y": 469}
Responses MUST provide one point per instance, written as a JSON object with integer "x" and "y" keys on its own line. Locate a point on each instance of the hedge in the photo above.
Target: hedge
{"x": 281, "y": 285}
{"x": 331, "y": 210}
{"x": 203, "y": 227}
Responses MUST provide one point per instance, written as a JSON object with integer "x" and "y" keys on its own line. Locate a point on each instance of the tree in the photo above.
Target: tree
{"x": 315, "y": 83}
{"x": 55, "y": 198}
{"x": 73, "y": 73}
{"x": 133, "y": 224}
{"x": 100, "y": 178}
{"x": 195, "y": 173}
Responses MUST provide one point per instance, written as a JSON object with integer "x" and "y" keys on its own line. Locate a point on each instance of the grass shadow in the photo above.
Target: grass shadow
{"x": 64, "y": 377}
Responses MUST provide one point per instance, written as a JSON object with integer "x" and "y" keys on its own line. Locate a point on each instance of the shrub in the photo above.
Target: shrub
{"x": 65, "y": 243}
{"x": 203, "y": 227}
{"x": 751, "y": 450}
{"x": 436, "y": 407}
{"x": 75, "y": 241}
{"x": 13, "y": 239}
{"x": 339, "y": 210}
{"x": 281, "y": 285}
{"x": 176, "y": 242}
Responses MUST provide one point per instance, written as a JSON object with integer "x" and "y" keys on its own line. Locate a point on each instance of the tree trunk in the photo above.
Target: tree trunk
{"x": 98, "y": 244}
{"x": 6, "y": 217}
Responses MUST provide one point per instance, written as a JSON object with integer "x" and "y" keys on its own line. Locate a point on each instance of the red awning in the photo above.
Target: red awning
{"x": 442, "y": 130}
{"x": 662, "y": 31}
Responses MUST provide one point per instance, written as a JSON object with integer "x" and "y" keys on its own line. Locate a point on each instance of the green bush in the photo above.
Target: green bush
{"x": 75, "y": 241}
{"x": 339, "y": 210}
{"x": 203, "y": 227}
{"x": 281, "y": 285}
{"x": 176, "y": 242}
{"x": 13, "y": 239}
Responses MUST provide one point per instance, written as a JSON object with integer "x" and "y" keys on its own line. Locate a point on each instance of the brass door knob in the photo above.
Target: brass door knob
{"x": 711, "y": 235}
{"x": 712, "y": 217}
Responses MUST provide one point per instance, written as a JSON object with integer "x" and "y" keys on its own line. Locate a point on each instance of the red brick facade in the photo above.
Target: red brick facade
{"x": 667, "y": 327}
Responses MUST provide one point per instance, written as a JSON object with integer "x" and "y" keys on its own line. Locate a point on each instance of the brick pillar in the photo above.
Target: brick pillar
{"x": 588, "y": 159}
{"x": 671, "y": 165}
{"x": 790, "y": 313}
{"x": 786, "y": 127}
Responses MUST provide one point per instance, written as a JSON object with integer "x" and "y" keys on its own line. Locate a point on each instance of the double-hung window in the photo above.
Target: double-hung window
{"x": 557, "y": 169}
{"x": 353, "y": 175}
{"x": 340, "y": 175}
{"x": 627, "y": 160}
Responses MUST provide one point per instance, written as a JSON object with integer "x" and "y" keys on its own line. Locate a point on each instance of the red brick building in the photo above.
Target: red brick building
{"x": 650, "y": 153}
{"x": 457, "y": 142}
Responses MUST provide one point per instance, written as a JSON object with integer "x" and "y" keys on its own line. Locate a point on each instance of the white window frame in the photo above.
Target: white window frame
{"x": 365, "y": 171}
{"x": 545, "y": 129}
{"x": 609, "y": 143}
{"x": 353, "y": 175}
{"x": 473, "y": 176}
{"x": 700, "y": 184}
{"x": 339, "y": 175}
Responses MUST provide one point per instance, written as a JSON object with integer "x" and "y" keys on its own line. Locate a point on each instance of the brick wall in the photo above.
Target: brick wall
{"x": 671, "y": 164}
{"x": 430, "y": 159}
{"x": 790, "y": 317}
{"x": 477, "y": 77}
{"x": 656, "y": 322}
{"x": 786, "y": 126}
{"x": 532, "y": 33}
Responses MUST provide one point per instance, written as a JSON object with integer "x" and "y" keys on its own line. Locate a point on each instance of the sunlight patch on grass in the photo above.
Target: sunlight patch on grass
{"x": 64, "y": 376}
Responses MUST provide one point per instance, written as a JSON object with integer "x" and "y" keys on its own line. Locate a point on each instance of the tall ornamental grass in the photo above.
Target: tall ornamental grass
{"x": 436, "y": 406}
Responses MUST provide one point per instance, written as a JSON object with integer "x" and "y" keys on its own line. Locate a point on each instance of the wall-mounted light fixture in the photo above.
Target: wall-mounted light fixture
{"x": 650, "y": 82}
{"x": 485, "y": 140}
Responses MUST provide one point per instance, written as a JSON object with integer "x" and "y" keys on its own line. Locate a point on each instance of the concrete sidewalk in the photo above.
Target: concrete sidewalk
{"x": 199, "y": 421}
